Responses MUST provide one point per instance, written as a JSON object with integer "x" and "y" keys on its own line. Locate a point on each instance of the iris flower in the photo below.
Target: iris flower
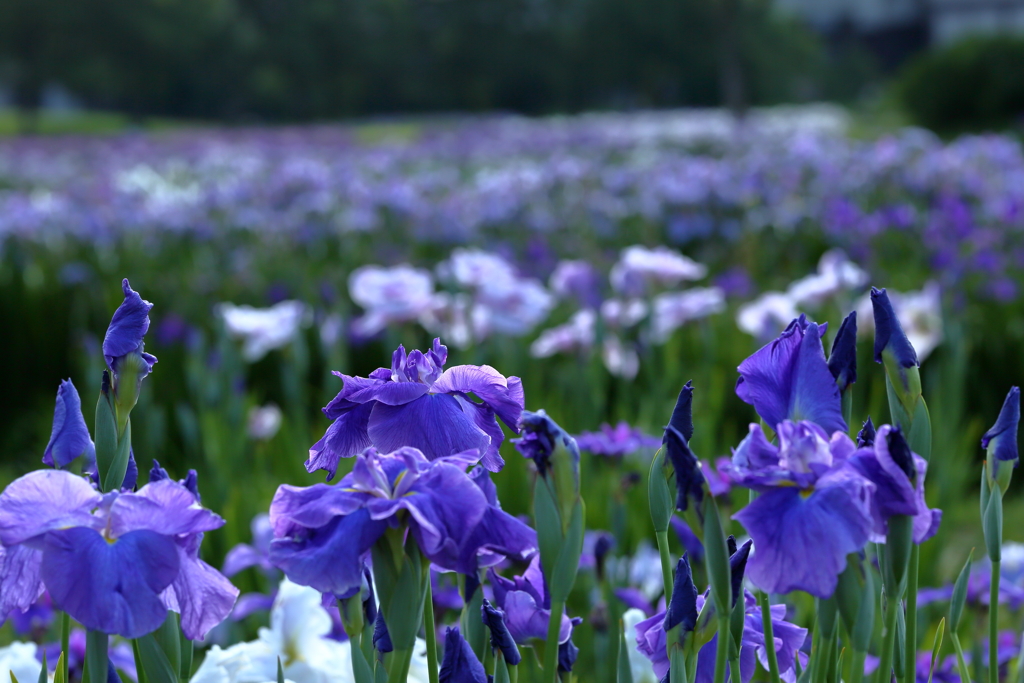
{"x": 527, "y": 605}
{"x": 418, "y": 403}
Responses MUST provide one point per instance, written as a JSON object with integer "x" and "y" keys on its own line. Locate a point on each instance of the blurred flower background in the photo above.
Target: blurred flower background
{"x": 605, "y": 198}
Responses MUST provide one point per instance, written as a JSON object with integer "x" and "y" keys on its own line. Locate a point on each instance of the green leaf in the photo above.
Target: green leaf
{"x": 899, "y": 654}
{"x": 564, "y": 575}
{"x": 44, "y": 674}
{"x": 501, "y": 669}
{"x": 280, "y": 671}
{"x": 865, "y": 621}
{"x": 659, "y": 495}
{"x": 956, "y": 602}
{"x": 115, "y": 474}
{"x": 473, "y": 627}
{"x": 548, "y": 522}
{"x": 105, "y": 436}
{"x": 716, "y": 557}
{"x": 920, "y": 437}
{"x": 625, "y": 671}
{"x": 360, "y": 667}
{"x": 58, "y": 676}
{"x": 936, "y": 648}
{"x": 403, "y": 605}
{"x": 186, "y": 657}
{"x": 96, "y": 657}
{"x": 898, "y": 543}
{"x": 154, "y": 661}
{"x": 168, "y": 637}
{"x": 985, "y": 492}
{"x": 992, "y": 523}
{"x": 14, "y": 679}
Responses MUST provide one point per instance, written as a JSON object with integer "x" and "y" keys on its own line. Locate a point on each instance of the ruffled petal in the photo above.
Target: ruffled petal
{"x": 200, "y": 594}
{"x": 347, "y": 436}
{"x": 443, "y": 504}
{"x": 802, "y": 543}
{"x": 163, "y": 506}
{"x": 483, "y": 417}
{"x": 43, "y": 500}
{"x": 20, "y": 583}
{"x": 526, "y": 620}
{"x": 435, "y": 424}
{"x": 110, "y": 587}
{"x": 499, "y": 535}
{"x": 69, "y": 437}
{"x": 128, "y": 326}
{"x": 489, "y": 385}
{"x": 328, "y": 558}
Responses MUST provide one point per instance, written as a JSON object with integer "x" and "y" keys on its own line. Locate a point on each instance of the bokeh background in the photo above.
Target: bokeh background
{"x": 264, "y": 153}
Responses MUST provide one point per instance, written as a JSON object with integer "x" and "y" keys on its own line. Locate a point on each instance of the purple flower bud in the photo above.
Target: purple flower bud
{"x": 737, "y": 567}
{"x": 842, "y": 362}
{"x": 866, "y": 435}
{"x": 381, "y": 637}
{"x": 460, "y": 664}
{"x": 69, "y": 437}
{"x": 501, "y": 638}
{"x": 125, "y": 333}
{"x": 889, "y": 333}
{"x": 682, "y": 610}
{"x": 1002, "y": 437}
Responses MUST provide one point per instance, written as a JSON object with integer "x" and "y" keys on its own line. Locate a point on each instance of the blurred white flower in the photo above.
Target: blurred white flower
{"x": 620, "y": 359}
{"x": 513, "y": 308}
{"x": 767, "y": 315}
{"x": 621, "y": 313}
{"x": 298, "y": 628}
{"x": 576, "y": 279}
{"x": 575, "y": 335}
{"x": 474, "y": 268}
{"x": 448, "y": 317}
{"x": 263, "y": 329}
{"x": 639, "y": 266}
{"x": 20, "y": 659}
{"x": 672, "y": 310}
{"x": 389, "y": 295}
{"x": 836, "y": 274}
{"x": 643, "y": 670}
{"x": 264, "y": 421}
{"x": 920, "y": 314}
{"x": 331, "y": 330}
{"x": 645, "y": 571}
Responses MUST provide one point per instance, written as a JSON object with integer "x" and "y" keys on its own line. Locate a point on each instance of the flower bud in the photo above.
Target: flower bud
{"x": 1001, "y": 443}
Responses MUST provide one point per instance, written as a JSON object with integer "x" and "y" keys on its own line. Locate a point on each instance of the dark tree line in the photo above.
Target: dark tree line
{"x": 309, "y": 59}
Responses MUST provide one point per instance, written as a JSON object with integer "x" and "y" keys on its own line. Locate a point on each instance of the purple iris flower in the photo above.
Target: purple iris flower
{"x": 123, "y": 340}
{"x": 69, "y": 437}
{"x": 719, "y": 483}
{"x": 459, "y": 664}
{"x": 898, "y": 476}
{"x": 116, "y": 562}
{"x": 635, "y": 598}
{"x": 527, "y": 604}
{"x": 418, "y": 403}
{"x": 322, "y": 532}
{"x": 36, "y": 619}
{"x": 652, "y": 643}
{"x": 789, "y": 379}
{"x": 617, "y": 441}
{"x": 1002, "y": 437}
{"x": 814, "y": 508}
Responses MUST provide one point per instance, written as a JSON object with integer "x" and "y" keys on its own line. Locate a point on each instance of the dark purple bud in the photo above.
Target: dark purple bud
{"x": 737, "y": 566}
{"x": 899, "y": 451}
{"x": 131, "y": 474}
{"x": 689, "y": 480}
{"x": 157, "y": 472}
{"x": 472, "y": 584}
{"x": 1002, "y": 437}
{"x": 602, "y": 546}
{"x": 567, "y": 654}
{"x": 501, "y": 639}
{"x": 730, "y": 545}
{"x": 112, "y": 676}
{"x": 69, "y": 437}
{"x": 381, "y": 637}
{"x": 682, "y": 610}
{"x": 866, "y": 435}
{"x": 842, "y": 362}
{"x": 460, "y": 664}
{"x": 191, "y": 482}
{"x": 682, "y": 414}
{"x": 889, "y": 334}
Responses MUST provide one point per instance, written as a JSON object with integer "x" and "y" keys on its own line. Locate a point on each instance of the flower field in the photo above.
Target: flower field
{"x": 579, "y": 398}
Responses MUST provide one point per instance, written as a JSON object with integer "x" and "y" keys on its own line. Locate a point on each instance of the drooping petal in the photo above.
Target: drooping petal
{"x": 527, "y": 620}
{"x": 801, "y": 542}
{"x": 69, "y": 437}
{"x": 163, "y": 506}
{"x": 241, "y": 557}
{"x": 20, "y": 583}
{"x": 110, "y": 587}
{"x": 347, "y": 436}
{"x": 200, "y": 594}
{"x": 43, "y": 500}
{"x": 705, "y": 672}
{"x": 894, "y": 492}
{"x": 435, "y": 424}
{"x": 328, "y": 558}
{"x": 483, "y": 417}
{"x": 489, "y": 385}
{"x": 498, "y": 536}
{"x": 128, "y": 325}
{"x": 445, "y": 503}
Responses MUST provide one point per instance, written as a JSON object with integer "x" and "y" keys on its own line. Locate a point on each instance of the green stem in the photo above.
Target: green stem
{"x": 513, "y": 674}
{"x": 139, "y": 670}
{"x": 993, "y": 622}
{"x": 910, "y": 644}
{"x": 857, "y": 667}
{"x": 65, "y": 637}
{"x": 551, "y": 647}
{"x": 769, "y": 636}
{"x": 892, "y": 605}
{"x": 666, "y": 564}
{"x": 722, "y": 653}
{"x": 734, "y": 669}
{"x": 961, "y": 662}
{"x": 430, "y": 631}
{"x": 398, "y": 671}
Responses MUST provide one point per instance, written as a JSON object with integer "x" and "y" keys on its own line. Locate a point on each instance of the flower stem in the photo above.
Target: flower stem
{"x": 722, "y": 651}
{"x": 961, "y": 662}
{"x": 666, "y": 564}
{"x": 551, "y": 647}
{"x": 735, "y": 676}
{"x": 65, "y": 637}
{"x": 430, "y": 631}
{"x": 398, "y": 671}
{"x": 892, "y": 606}
{"x": 910, "y": 645}
{"x": 769, "y": 636}
{"x": 857, "y": 667}
{"x": 993, "y": 621}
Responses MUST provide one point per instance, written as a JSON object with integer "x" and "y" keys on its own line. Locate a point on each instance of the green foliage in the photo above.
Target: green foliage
{"x": 971, "y": 85}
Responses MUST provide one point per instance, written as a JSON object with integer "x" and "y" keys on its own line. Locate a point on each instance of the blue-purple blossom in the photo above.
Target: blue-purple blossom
{"x": 501, "y": 637}
{"x": 381, "y": 637}
{"x": 322, "y": 532}
{"x": 527, "y": 604}
{"x": 418, "y": 403}
{"x": 539, "y": 442}
{"x": 814, "y": 508}
{"x": 842, "y": 361}
{"x": 116, "y": 562}
{"x": 618, "y": 441}
{"x": 459, "y": 664}
{"x": 889, "y": 334}
{"x": 789, "y": 379}
{"x": 124, "y": 336}
{"x": 692, "y": 544}
{"x": 69, "y": 437}
{"x": 738, "y": 567}
{"x": 1001, "y": 438}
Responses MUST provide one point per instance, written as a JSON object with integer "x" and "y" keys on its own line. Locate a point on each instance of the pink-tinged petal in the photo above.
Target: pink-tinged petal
{"x": 42, "y": 501}
{"x": 110, "y": 587}
{"x": 504, "y": 396}
{"x": 20, "y": 584}
{"x": 435, "y": 424}
{"x": 347, "y": 436}
{"x": 163, "y": 506}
